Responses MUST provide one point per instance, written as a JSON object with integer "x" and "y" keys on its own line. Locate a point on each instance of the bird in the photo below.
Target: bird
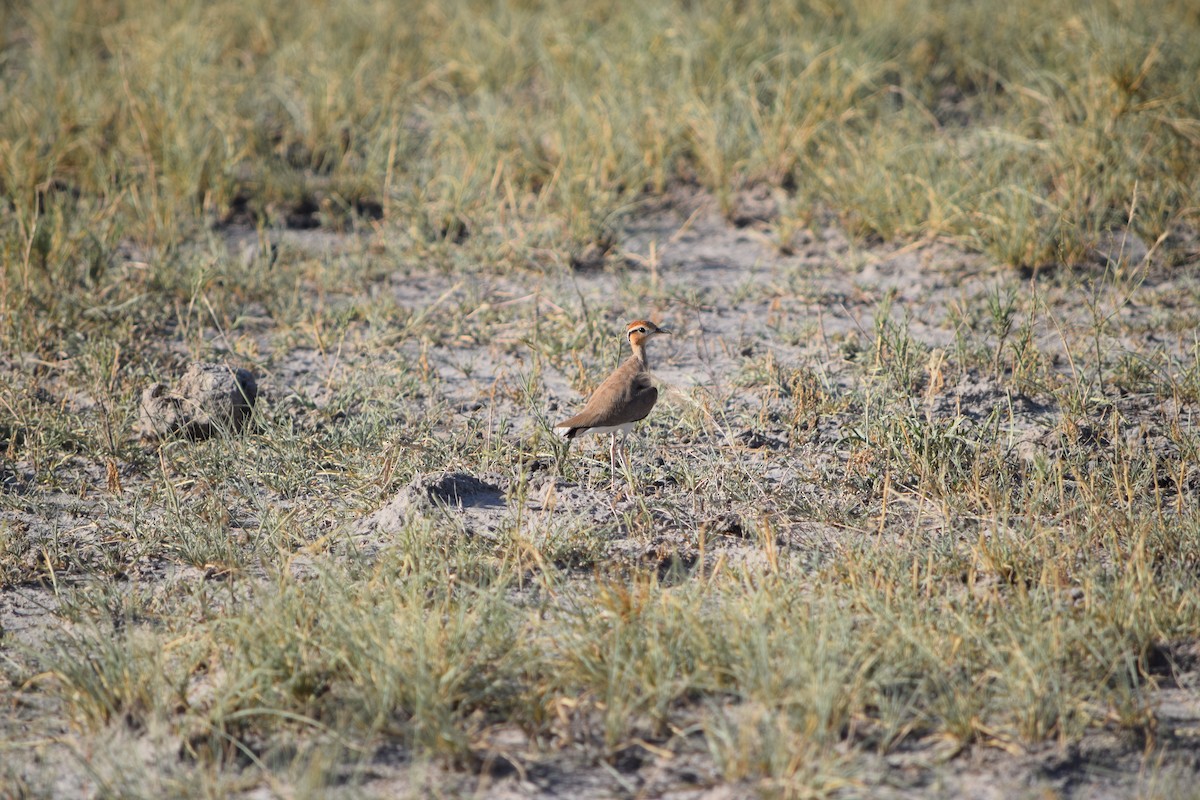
{"x": 625, "y": 397}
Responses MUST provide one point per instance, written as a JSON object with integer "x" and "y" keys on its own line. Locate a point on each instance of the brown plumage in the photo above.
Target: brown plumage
{"x": 625, "y": 397}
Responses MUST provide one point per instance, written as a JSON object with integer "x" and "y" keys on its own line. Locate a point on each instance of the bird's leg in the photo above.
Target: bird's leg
{"x": 625, "y": 461}
{"x": 612, "y": 460}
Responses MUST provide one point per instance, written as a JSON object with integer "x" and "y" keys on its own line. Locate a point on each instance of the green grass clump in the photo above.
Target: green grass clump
{"x": 1022, "y": 130}
{"x": 1003, "y": 643}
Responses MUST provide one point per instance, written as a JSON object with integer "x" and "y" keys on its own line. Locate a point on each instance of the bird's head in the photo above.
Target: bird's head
{"x": 641, "y": 330}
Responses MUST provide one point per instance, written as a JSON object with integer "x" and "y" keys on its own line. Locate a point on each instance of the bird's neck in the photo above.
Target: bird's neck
{"x": 639, "y": 352}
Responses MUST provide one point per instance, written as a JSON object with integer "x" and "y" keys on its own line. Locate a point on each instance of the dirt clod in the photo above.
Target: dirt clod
{"x": 455, "y": 489}
{"x": 209, "y": 398}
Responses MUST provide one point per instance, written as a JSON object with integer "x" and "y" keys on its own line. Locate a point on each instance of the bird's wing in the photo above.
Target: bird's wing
{"x": 627, "y": 395}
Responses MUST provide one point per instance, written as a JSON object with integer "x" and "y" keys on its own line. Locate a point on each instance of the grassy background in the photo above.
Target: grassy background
{"x": 502, "y": 139}
{"x": 1020, "y": 129}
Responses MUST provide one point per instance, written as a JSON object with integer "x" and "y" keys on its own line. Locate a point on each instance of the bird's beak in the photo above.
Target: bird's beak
{"x": 663, "y": 330}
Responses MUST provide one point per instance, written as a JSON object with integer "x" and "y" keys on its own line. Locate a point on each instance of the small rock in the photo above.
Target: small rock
{"x": 727, "y": 524}
{"x": 755, "y": 205}
{"x": 758, "y": 441}
{"x": 209, "y": 398}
